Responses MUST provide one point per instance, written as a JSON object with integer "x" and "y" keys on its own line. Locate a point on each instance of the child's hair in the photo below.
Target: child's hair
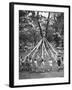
{"x": 35, "y": 59}
{"x": 30, "y": 58}
{"x": 42, "y": 60}
{"x": 27, "y": 57}
{"x": 62, "y": 58}
{"x": 20, "y": 56}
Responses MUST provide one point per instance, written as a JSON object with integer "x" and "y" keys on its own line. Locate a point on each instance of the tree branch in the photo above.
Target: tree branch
{"x": 39, "y": 24}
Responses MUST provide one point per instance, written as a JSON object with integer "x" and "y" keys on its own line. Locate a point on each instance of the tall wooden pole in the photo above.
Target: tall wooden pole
{"x": 47, "y": 23}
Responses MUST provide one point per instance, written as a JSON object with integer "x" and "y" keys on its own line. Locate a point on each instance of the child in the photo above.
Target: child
{"x": 42, "y": 65}
{"x": 21, "y": 62}
{"x": 30, "y": 64}
{"x": 50, "y": 63}
{"x": 59, "y": 63}
{"x": 36, "y": 65}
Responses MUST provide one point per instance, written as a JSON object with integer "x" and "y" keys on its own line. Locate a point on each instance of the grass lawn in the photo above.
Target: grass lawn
{"x": 30, "y": 75}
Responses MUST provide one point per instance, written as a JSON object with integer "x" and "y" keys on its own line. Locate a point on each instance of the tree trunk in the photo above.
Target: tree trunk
{"x": 39, "y": 24}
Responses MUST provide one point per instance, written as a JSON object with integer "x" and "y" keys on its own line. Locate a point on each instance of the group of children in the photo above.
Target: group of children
{"x": 30, "y": 64}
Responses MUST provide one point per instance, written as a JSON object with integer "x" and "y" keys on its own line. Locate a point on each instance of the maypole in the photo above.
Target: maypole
{"x": 36, "y": 47}
{"x": 42, "y": 50}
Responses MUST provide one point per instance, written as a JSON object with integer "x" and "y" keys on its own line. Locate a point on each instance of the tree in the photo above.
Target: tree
{"x": 32, "y": 24}
{"x": 59, "y": 28}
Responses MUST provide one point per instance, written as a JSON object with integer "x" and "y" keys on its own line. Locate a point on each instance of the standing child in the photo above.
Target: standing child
{"x": 59, "y": 63}
{"x": 36, "y": 65}
{"x": 50, "y": 63}
{"x": 21, "y": 63}
{"x": 42, "y": 65}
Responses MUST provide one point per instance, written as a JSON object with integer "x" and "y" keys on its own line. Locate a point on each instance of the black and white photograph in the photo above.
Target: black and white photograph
{"x": 41, "y": 44}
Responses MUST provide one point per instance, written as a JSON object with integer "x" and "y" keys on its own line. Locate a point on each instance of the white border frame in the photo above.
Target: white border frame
{"x": 16, "y": 46}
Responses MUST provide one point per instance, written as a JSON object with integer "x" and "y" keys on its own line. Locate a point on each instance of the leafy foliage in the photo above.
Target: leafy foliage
{"x": 32, "y": 24}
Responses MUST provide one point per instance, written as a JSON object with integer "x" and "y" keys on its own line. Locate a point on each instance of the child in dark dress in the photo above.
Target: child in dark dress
{"x": 59, "y": 63}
